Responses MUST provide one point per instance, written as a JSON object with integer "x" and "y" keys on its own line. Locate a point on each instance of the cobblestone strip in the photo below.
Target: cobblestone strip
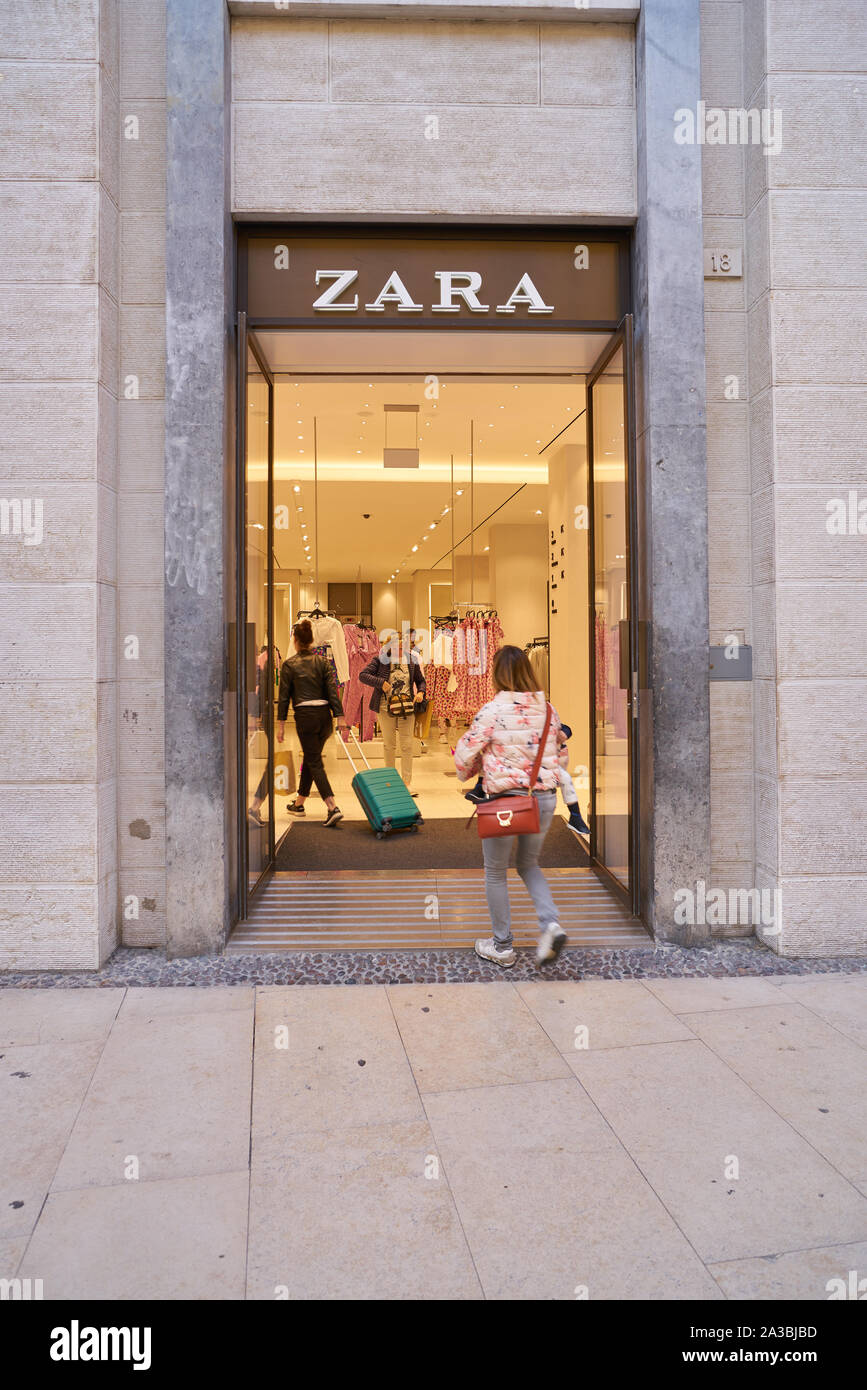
{"x": 143, "y": 967}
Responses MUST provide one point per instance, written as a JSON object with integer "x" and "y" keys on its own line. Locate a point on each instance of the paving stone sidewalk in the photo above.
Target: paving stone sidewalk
{"x": 665, "y": 1138}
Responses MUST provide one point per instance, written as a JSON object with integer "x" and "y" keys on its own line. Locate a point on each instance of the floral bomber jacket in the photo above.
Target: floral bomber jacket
{"x": 503, "y": 740}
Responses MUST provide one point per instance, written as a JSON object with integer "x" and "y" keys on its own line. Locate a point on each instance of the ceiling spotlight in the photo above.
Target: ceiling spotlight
{"x": 538, "y": 511}
{"x": 414, "y": 549}
{"x": 296, "y": 488}
{"x": 460, "y": 491}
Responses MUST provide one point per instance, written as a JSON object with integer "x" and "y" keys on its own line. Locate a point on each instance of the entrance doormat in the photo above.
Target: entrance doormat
{"x": 438, "y": 844}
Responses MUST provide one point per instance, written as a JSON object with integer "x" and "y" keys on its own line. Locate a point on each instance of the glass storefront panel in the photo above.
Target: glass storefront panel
{"x": 611, "y": 644}
{"x": 259, "y": 668}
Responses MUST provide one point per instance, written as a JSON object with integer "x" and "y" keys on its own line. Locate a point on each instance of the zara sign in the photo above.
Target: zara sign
{"x": 426, "y": 281}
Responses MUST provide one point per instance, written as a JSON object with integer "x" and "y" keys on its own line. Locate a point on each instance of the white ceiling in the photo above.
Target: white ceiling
{"x": 370, "y": 517}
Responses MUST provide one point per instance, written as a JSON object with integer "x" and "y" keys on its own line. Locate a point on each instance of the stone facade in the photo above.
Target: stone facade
{"x": 331, "y": 112}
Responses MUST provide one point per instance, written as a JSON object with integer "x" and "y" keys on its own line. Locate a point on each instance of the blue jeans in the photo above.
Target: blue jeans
{"x": 497, "y": 851}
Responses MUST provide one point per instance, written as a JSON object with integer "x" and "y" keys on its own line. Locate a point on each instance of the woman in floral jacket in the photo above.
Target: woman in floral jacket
{"x": 502, "y": 744}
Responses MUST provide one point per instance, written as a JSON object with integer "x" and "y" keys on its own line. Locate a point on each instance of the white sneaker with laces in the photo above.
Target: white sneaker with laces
{"x": 551, "y": 943}
{"x": 490, "y": 949}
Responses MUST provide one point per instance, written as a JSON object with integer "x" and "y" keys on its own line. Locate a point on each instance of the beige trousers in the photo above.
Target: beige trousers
{"x": 394, "y": 731}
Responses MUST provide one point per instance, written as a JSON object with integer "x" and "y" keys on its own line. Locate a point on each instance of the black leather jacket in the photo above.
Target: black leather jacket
{"x": 307, "y": 676}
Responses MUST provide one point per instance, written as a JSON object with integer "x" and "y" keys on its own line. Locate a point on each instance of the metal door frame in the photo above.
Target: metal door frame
{"x": 623, "y": 337}
{"x": 246, "y": 341}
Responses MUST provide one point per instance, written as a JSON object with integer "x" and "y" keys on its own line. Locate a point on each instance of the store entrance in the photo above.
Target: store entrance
{"x": 457, "y": 493}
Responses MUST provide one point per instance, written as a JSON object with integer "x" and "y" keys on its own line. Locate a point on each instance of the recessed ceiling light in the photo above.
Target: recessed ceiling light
{"x": 487, "y": 547}
{"x": 414, "y": 549}
{"x": 296, "y": 488}
{"x": 460, "y": 492}
{"x": 299, "y": 436}
{"x": 299, "y": 509}
{"x": 538, "y": 512}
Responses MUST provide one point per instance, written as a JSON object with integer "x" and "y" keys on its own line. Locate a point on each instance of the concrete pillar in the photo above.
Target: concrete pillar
{"x": 199, "y": 406}
{"x": 674, "y": 808}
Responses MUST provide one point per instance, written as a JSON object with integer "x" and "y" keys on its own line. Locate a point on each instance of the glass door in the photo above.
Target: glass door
{"x": 613, "y": 664}
{"x": 256, "y": 619}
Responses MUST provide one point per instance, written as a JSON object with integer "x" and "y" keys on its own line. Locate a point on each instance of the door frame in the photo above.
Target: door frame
{"x": 246, "y": 342}
{"x": 623, "y": 338}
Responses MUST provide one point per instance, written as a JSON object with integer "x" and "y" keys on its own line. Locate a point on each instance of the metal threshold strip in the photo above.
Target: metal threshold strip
{"x": 427, "y": 910}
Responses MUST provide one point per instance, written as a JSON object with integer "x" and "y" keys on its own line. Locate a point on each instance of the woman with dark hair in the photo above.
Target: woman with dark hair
{"x": 308, "y": 681}
{"x": 502, "y": 743}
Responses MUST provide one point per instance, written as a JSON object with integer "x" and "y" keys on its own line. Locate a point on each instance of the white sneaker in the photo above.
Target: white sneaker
{"x": 551, "y": 943}
{"x": 491, "y": 950}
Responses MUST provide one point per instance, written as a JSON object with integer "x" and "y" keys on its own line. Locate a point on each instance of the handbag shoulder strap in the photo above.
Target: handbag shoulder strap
{"x": 541, "y": 750}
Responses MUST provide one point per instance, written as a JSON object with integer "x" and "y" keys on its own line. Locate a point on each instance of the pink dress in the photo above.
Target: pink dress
{"x": 361, "y": 645}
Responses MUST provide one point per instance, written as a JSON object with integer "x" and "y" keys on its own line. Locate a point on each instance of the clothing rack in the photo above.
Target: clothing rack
{"x": 537, "y": 642}
{"x": 316, "y": 612}
{"x": 473, "y": 611}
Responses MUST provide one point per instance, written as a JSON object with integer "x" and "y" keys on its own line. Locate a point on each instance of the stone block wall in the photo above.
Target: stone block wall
{"x": 443, "y": 118}
{"x": 141, "y": 495}
{"x": 728, "y": 466}
{"x": 806, "y": 284}
{"x": 59, "y": 261}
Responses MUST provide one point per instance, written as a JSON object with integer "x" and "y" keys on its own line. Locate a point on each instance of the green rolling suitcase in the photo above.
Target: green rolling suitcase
{"x": 384, "y": 796}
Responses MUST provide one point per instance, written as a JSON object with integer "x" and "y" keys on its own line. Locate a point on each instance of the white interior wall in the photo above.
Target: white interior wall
{"x": 568, "y": 559}
{"x": 518, "y": 573}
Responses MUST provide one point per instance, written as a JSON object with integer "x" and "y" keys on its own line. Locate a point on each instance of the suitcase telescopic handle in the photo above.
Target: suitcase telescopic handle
{"x": 358, "y": 746}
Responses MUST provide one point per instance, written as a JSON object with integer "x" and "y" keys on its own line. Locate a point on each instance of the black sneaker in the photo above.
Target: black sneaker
{"x": 334, "y": 815}
{"x": 577, "y": 821}
{"x": 295, "y": 809}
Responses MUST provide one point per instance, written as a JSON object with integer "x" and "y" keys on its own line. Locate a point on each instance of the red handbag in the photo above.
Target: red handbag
{"x": 513, "y": 815}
